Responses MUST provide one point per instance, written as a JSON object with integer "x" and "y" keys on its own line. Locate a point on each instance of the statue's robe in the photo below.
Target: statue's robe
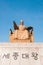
{"x": 22, "y": 33}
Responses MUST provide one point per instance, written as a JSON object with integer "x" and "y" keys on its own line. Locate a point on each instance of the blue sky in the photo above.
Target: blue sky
{"x": 31, "y": 11}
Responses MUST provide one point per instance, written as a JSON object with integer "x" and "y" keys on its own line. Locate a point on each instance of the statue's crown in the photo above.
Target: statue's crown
{"x": 21, "y": 22}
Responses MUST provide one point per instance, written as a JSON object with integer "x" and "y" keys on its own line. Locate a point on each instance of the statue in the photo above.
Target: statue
{"x": 21, "y": 32}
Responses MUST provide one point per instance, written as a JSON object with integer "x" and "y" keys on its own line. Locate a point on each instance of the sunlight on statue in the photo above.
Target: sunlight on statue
{"x": 21, "y": 33}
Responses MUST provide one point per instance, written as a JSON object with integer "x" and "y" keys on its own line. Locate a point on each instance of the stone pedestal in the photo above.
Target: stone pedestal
{"x": 21, "y": 54}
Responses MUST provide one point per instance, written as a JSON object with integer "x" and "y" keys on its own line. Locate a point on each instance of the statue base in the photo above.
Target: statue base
{"x": 21, "y": 54}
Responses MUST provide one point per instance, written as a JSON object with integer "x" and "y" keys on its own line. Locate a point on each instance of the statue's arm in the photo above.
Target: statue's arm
{"x": 15, "y": 25}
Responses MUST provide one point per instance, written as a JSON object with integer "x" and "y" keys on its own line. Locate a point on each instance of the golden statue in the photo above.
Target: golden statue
{"x": 21, "y": 33}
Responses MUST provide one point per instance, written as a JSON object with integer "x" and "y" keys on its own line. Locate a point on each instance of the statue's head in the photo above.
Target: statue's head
{"x": 21, "y": 22}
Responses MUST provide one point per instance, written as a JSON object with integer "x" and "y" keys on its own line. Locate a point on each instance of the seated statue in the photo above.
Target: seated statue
{"x": 21, "y": 32}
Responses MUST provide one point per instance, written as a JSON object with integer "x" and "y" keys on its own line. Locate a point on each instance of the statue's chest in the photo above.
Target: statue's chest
{"x": 22, "y": 34}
